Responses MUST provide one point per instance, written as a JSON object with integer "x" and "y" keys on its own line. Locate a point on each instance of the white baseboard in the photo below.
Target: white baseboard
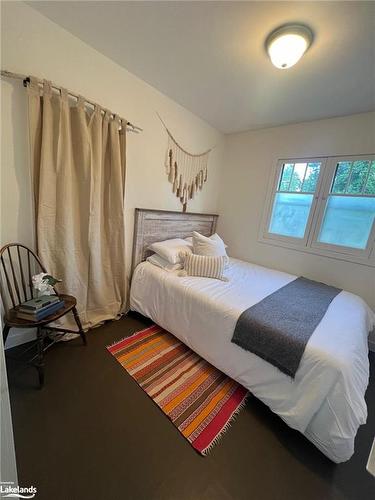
{"x": 18, "y": 336}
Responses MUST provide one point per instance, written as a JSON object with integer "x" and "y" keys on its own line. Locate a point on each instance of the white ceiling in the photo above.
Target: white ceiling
{"x": 210, "y": 56}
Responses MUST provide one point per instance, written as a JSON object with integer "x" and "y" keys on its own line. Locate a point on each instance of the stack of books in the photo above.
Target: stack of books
{"x": 40, "y": 307}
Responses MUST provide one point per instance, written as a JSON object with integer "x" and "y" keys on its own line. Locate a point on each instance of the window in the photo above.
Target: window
{"x": 324, "y": 205}
{"x": 294, "y": 199}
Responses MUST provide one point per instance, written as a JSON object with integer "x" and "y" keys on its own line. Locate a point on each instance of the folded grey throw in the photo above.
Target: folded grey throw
{"x": 278, "y": 327}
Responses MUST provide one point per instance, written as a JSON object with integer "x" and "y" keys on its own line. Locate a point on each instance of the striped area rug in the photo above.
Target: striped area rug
{"x": 197, "y": 397}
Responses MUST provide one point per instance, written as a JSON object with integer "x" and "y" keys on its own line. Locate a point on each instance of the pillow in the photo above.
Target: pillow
{"x": 173, "y": 250}
{"x": 205, "y": 266}
{"x": 213, "y": 246}
{"x": 162, "y": 263}
{"x": 212, "y": 237}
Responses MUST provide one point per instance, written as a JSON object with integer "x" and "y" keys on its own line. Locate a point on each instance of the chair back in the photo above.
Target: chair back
{"x": 18, "y": 264}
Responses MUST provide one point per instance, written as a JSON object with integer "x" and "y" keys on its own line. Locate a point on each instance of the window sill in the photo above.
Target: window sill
{"x": 363, "y": 261}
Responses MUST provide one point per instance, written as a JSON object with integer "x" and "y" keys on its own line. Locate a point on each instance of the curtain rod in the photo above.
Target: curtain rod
{"x": 26, "y": 80}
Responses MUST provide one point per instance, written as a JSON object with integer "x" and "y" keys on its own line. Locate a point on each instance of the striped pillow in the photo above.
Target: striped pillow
{"x": 205, "y": 266}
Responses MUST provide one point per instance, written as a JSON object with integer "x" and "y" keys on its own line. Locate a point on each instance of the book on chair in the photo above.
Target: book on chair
{"x": 40, "y": 313}
{"x": 38, "y": 303}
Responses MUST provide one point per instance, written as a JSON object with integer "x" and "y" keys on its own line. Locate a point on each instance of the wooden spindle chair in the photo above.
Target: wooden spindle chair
{"x": 18, "y": 264}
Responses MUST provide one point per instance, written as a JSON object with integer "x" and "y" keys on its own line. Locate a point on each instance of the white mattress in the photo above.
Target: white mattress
{"x": 325, "y": 401}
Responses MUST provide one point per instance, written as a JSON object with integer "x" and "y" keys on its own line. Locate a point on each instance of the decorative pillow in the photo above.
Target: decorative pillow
{"x": 212, "y": 237}
{"x": 164, "y": 264}
{"x": 173, "y": 251}
{"x": 205, "y": 266}
{"x": 213, "y": 246}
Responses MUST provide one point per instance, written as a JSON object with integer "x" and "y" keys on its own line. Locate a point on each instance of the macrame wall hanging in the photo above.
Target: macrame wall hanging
{"x": 186, "y": 172}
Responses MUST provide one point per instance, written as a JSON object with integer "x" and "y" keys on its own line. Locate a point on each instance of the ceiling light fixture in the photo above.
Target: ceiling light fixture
{"x": 287, "y": 44}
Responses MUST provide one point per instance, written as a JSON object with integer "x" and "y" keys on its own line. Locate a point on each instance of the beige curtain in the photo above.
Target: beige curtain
{"x": 78, "y": 172}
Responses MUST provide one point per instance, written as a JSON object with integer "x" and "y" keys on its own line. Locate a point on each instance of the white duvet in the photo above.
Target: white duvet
{"x": 325, "y": 401}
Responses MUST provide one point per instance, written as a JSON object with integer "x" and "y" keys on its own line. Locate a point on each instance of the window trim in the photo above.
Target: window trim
{"x": 309, "y": 243}
{"x": 329, "y": 177}
{"x": 276, "y": 179}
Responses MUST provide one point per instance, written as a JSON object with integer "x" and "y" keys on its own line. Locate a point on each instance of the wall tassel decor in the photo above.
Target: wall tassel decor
{"x": 186, "y": 172}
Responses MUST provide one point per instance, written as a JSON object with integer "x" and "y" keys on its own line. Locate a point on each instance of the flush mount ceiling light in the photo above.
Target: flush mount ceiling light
{"x": 286, "y": 45}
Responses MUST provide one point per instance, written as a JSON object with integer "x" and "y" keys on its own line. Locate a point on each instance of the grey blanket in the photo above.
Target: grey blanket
{"x": 278, "y": 327}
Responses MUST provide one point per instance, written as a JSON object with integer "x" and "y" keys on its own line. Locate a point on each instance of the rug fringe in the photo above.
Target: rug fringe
{"x": 224, "y": 429}
{"x": 130, "y": 336}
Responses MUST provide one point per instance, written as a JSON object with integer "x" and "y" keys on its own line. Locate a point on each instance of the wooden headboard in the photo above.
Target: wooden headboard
{"x": 160, "y": 225}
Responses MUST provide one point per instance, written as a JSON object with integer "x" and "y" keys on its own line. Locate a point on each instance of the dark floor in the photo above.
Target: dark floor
{"x": 92, "y": 433}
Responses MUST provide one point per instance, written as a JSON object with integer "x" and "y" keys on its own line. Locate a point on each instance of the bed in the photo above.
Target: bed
{"x": 325, "y": 401}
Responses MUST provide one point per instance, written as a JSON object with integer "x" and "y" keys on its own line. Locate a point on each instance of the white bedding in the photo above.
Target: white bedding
{"x": 325, "y": 401}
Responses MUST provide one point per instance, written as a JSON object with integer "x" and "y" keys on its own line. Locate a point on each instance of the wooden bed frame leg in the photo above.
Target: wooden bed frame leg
{"x": 79, "y": 324}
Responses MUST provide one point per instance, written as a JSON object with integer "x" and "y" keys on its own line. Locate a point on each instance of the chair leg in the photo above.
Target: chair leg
{"x": 79, "y": 324}
{"x": 5, "y": 333}
{"x": 40, "y": 357}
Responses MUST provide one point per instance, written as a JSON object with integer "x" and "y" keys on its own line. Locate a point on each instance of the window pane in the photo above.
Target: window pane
{"x": 286, "y": 176}
{"x": 297, "y": 177}
{"x": 370, "y": 185}
{"x": 290, "y": 214}
{"x": 347, "y": 221}
{"x": 311, "y": 178}
{"x": 341, "y": 177}
{"x": 358, "y": 177}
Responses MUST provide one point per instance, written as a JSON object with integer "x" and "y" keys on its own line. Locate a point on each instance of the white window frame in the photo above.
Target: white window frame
{"x": 276, "y": 180}
{"x": 309, "y": 243}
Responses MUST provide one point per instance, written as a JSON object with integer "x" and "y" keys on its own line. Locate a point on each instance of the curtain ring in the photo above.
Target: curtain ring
{"x": 47, "y": 88}
{"x": 34, "y": 86}
{"x": 64, "y": 94}
{"x": 81, "y": 102}
{"x": 123, "y": 126}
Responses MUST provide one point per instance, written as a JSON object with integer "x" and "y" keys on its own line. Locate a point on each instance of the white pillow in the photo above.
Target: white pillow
{"x": 212, "y": 237}
{"x": 213, "y": 246}
{"x": 158, "y": 261}
{"x": 173, "y": 251}
{"x": 216, "y": 237}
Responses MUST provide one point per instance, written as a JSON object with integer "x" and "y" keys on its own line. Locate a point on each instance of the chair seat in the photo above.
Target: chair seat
{"x": 12, "y": 320}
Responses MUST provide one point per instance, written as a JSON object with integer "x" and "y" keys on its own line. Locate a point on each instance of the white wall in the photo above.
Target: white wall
{"x": 32, "y": 44}
{"x": 248, "y": 161}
